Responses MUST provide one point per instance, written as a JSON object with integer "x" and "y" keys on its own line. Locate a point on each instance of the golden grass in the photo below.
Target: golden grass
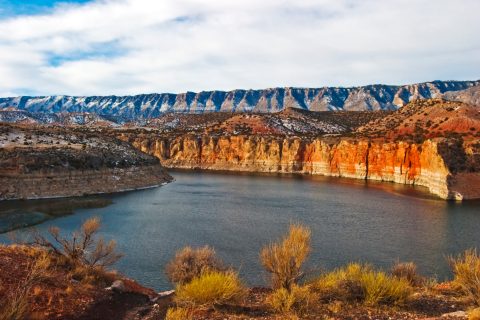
{"x": 295, "y": 301}
{"x": 179, "y": 313}
{"x": 360, "y": 282}
{"x": 342, "y": 283}
{"x": 284, "y": 259}
{"x": 382, "y": 288}
{"x": 466, "y": 270}
{"x": 474, "y": 314}
{"x": 211, "y": 288}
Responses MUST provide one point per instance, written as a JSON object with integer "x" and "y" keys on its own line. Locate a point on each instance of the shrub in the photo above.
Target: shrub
{"x": 15, "y": 303}
{"x": 297, "y": 300}
{"x": 382, "y": 288}
{"x": 362, "y": 283}
{"x": 179, "y": 314}
{"x": 83, "y": 247}
{"x": 285, "y": 258}
{"x": 407, "y": 271}
{"x": 190, "y": 263}
{"x": 342, "y": 283}
{"x": 211, "y": 288}
{"x": 466, "y": 270}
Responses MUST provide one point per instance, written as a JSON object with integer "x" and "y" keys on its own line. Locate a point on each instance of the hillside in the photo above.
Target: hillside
{"x": 426, "y": 119}
{"x": 290, "y": 121}
{"x": 372, "y": 97}
{"x": 57, "y": 162}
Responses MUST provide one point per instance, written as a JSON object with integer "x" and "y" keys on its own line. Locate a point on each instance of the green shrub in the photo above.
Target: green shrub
{"x": 211, "y": 288}
{"x": 190, "y": 263}
{"x": 466, "y": 270}
{"x": 285, "y": 258}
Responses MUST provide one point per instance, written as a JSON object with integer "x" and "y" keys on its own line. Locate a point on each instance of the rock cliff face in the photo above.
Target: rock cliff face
{"x": 400, "y": 162}
{"x": 48, "y": 163}
{"x": 372, "y": 97}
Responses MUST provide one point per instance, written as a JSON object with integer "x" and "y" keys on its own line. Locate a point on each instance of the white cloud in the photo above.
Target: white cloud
{"x": 141, "y": 46}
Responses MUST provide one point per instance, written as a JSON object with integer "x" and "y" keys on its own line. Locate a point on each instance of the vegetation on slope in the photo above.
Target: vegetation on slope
{"x": 64, "y": 277}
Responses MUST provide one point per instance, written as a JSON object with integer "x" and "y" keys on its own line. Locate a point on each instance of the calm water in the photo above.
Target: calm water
{"x": 238, "y": 214}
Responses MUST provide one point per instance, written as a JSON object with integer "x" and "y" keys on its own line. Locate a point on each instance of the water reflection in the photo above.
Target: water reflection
{"x": 20, "y": 214}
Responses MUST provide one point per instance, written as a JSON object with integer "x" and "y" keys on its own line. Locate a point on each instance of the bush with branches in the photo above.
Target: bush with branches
{"x": 284, "y": 259}
{"x": 83, "y": 247}
{"x": 190, "y": 263}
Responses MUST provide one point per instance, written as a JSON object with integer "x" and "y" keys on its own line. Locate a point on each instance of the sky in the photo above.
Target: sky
{"x": 127, "y": 47}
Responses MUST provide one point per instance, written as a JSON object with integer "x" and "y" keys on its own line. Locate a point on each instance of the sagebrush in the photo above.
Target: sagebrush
{"x": 190, "y": 263}
{"x": 284, "y": 259}
{"x": 408, "y": 271}
{"x": 466, "y": 270}
{"x": 82, "y": 247}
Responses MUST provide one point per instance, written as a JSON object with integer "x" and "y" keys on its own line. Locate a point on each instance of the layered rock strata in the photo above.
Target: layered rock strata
{"x": 61, "y": 164}
{"x": 401, "y": 162}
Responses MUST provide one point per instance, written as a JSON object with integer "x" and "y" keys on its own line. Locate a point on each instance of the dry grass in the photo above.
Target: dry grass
{"x": 466, "y": 270}
{"x": 284, "y": 259}
{"x": 342, "y": 283}
{"x": 408, "y": 271}
{"x": 382, "y": 288}
{"x": 15, "y": 305}
{"x": 357, "y": 282}
{"x": 296, "y": 301}
{"x": 179, "y": 313}
{"x": 190, "y": 263}
{"x": 211, "y": 288}
{"x": 474, "y": 314}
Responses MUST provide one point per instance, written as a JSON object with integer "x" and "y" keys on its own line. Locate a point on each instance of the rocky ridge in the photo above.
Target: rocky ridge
{"x": 145, "y": 106}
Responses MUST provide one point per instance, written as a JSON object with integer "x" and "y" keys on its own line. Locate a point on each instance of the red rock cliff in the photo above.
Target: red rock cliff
{"x": 400, "y": 162}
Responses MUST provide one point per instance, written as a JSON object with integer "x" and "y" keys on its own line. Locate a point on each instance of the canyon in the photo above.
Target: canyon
{"x": 432, "y": 143}
{"x": 390, "y": 148}
{"x": 401, "y": 162}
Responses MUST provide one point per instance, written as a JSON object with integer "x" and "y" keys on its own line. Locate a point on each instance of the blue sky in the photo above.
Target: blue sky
{"x": 19, "y": 7}
{"x": 103, "y": 47}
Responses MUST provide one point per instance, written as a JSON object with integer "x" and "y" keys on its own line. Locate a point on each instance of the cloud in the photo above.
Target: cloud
{"x": 142, "y": 46}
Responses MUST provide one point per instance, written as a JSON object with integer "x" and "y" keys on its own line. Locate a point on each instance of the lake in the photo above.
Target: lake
{"x": 237, "y": 214}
